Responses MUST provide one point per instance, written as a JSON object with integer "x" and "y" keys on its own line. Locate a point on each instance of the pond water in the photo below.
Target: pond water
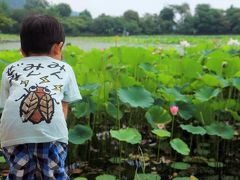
{"x": 87, "y": 44}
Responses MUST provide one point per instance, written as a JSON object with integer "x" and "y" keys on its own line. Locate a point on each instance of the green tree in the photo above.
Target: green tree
{"x": 149, "y": 24}
{"x": 103, "y": 24}
{"x": 4, "y": 8}
{"x": 63, "y": 9}
{"x": 186, "y": 25}
{"x": 85, "y": 15}
{"x": 166, "y": 20}
{"x": 131, "y": 15}
{"x": 87, "y": 21}
{"x": 183, "y": 10}
{"x": 5, "y": 23}
{"x": 131, "y": 22}
{"x": 167, "y": 14}
{"x": 107, "y": 25}
{"x": 233, "y": 16}
{"x": 36, "y": 4}
{"x": 210, "y": 21}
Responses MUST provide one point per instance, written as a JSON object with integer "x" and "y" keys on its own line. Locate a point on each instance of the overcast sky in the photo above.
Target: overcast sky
{"x": 118, "y": 7}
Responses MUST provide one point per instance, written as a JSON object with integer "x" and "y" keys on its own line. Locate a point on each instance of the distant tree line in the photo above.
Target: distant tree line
{"x": 173, "y": 19}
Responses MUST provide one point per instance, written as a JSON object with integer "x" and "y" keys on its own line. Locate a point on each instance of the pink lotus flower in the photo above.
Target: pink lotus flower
{"x": 174, "y": 110}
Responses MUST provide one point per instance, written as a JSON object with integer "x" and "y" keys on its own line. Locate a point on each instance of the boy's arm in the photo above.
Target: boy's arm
{"x": 65, "y": 108}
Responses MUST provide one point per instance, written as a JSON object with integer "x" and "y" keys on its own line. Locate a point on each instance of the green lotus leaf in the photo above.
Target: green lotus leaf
{"x": 180, "y": 146}
{"x": 157, "y": 115}
{"x": 206, "y": 93}
{"x": 220, "y": 129}
{"x": 126, "y": 81}
{"x": 2, "y": 159}
{"x": 186, "y": 110}
{"x": 81, "y": 109}
{"x": 148, "y": 67}
{"x": 105, "y": 177}
{"x": 136, "y": 96}
{"x": 236, "y": 82}
{"x": 147, "y": 177}
{"x": 215, "y": 164}
{"x": 193, "y": 129}
{"x": 214, "y": 80}
{"x": 234, "y": 114}
{"x": 161, "y": 133}
{"x": 180, "y": 165}
{"x": 80, "y": 178}
{"x": 221, "y": 104}
{"x": 79, "y": 134}
{"x": 113, "y": 111}
{"x": 129, "y": 135}
{"x": 185, "y": 178}
{"x": 166, "y": 79}
{"x": 172, "y": 94}
{"x": 89, "y": 87}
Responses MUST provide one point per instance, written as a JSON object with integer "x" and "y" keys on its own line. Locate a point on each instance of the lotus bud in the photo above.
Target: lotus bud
{"x": 174, "y": 110}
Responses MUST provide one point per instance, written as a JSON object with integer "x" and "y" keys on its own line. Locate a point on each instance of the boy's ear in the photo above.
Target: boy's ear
{"x": 22, "y": 52}
{"x": 56, "y": 51}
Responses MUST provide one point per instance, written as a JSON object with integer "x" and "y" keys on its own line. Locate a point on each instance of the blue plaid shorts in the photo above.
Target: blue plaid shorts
{"x": 25, "y": 159}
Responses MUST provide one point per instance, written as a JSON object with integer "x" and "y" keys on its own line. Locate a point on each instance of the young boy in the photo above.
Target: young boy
{"x": 35, "y": 93}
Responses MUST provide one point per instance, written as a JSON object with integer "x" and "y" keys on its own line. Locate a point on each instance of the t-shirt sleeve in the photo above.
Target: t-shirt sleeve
{"x": 4, "y": 90}
{"x": 71, "y": 90}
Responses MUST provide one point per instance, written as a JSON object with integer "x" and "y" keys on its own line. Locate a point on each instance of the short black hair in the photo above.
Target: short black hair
{"x": 39, "y": 33}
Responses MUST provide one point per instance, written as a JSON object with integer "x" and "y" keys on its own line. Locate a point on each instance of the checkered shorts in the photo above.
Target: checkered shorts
{"x": 25, "y": 159}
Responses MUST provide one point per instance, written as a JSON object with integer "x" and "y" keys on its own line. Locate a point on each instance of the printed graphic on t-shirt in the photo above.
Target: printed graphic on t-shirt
{"x": 37, "y": 104}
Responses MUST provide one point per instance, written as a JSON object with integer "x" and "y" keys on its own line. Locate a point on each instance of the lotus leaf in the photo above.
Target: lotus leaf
{"x": 80, "y": 178}
{"x": 81, "y": 109}
{"x": 148, "y": 67}
{"x": 161, "y": 133}
{"x": 136, "y": 96}
{"x": 234, "y": 114}
{"x": 157, "y": 115}
{"x": 193, "y": 129}
{"x": 147, "y": 177}
{"x": 206, "y": 93}
{"x": 129, "y": 135}
{"x": 220, "y": 129}
{"x": 113, "y": 111}
{"x": 214, "y": 81}
{"x": 2, "y": 159}
{"x": 236, "y": 82}
{"x": 185, "y": 178}
{"x": 79, "y": 134}
{"x": 172, "y": 94}
{"x": 180, "y": 146}
{"x": 180, "y": 165}
{"x": 186, "y": 110}
{"x": 105, "y": 177}
{"x": 215, "y": 164}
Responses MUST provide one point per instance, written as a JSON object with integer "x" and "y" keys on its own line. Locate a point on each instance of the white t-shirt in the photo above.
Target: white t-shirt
{"x": 32, "y": 92}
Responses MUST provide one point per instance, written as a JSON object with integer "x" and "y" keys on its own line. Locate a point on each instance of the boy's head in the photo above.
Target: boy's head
{"x": 41, "y": 35}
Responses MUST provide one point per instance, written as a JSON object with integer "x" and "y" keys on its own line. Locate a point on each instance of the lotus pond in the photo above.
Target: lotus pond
{"x": 153, "y": 113}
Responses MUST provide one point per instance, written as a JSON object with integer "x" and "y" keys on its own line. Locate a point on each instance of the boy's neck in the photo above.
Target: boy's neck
{"x": 36, "y": 54}
{"x": 32, "y": 54}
